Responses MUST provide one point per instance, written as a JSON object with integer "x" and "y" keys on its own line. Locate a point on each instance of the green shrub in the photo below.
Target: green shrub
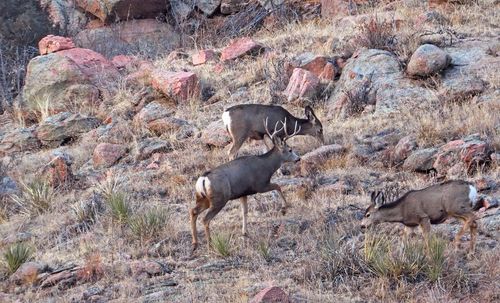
{"x": 221, "y": 243}
{"x": 148, "y": 225}
{"x": 16, "y": 255}
{"x": 120, "y": 210}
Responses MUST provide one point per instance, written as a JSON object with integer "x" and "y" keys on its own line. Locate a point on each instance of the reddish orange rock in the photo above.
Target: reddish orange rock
{"x": 302, "y": 84}
{"x": 271, "y": 294}
{"x": 52, "y": 44}
{"x": 179, "y": 85}
{"x": 107, "y": 154}
{"x": 241, "y": 47}
{"x": 204, "y": 56}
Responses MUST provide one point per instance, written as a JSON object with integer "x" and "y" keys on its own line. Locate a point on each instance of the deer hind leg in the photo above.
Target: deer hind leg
{"x": 212, "y": 212}
{"x": 244, "y": 212}
{"x": 461, "y": 232}
{"x": 236, "y": 145}
{"x": 201, "y": 205}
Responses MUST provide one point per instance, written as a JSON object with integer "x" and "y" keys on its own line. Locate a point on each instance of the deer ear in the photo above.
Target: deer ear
{"x": 379, "y": 199}
{"x": 373, "y": 195}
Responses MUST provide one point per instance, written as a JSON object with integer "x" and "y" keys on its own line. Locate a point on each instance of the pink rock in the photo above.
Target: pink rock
{"x": 328, "y": 73}
{"x": 474, "y": 151}
{"x": 179, "y": 85}
{"x": 271, "y": 294}
{"x": 58, "y": 171}
{"x": 302, "y": 84}
{"x": 107, "y": 154}
{"x": 241, "y": 47}
{"x": 122, "y": 61}
{"x": 204, "y": 56}
{"x": 89, "y": 62}
{"x": 313, "y": 63}
{"x": 150, "y": 268}
{"x": 26, "y": 273}
{"x": 52, "y": 44}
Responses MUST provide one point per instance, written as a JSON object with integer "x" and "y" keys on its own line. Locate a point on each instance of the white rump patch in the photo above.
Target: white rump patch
{"x": 226, "y": 118}
{"x": 472, "y": 195}
{"x": 200, "y": 187}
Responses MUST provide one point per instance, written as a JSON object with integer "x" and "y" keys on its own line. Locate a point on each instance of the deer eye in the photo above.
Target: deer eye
{"x": 367, "y": 215}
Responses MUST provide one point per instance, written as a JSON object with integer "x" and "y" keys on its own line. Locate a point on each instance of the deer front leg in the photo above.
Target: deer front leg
{"x": 244, "y": 212}
{"x": 425, "y": 226}
{"x": 276, "y": 187}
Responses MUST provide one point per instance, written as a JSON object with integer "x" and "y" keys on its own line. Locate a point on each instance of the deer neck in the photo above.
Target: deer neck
{"x": 273, "y": 159}
{"x": 391, "y": 214}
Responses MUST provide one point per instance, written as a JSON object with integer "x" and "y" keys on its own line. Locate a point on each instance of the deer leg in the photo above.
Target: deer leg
{"x": 244, "y": 212}
{"x": 236, "y": 145}
{"x": 461, "y": 232}
{"x": 473, "y": 234}
{"x": 425, "y": 226}
{"x": 201, "y": 205}
{"x": 276, "y": 187}
{"x": 212, "y": 211}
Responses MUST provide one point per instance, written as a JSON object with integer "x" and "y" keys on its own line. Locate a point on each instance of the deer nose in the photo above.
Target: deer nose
{"x": 298, "y": 159}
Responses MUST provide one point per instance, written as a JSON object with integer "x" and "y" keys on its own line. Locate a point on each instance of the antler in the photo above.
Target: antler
{"x": 296, "y": 130}
{"x": 276, "y": 130}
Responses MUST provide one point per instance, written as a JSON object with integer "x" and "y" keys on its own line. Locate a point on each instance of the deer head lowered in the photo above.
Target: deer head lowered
{"x": 240, "y": 178}
{"x": 244, "y": 121}
{"x": 431, "y": 205}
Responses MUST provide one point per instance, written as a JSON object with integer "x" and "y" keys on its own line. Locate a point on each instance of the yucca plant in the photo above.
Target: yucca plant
{"x": 148, "y": 225}
{"x": 16, "y": 255}
{"x": 436, "y": 258}
{"x": 118, "y": 204}
{"x": 35, "y": 198}
{"x": 221, "y": 243}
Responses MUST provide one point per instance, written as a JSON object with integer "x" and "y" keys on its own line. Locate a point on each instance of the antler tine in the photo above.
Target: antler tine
{"x": 276, "y": 130}
{"x": 296, "y": 130}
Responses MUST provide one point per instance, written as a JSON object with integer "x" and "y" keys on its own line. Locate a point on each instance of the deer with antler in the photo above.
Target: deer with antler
{"x": 240, "y": 178}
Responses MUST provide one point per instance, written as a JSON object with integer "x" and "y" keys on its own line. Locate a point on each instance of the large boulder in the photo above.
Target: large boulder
{"x": 148, "y": 36}
{"x": 315, "y": 159}
{"x": 427, "y": 60}
{"x": 374, "y": 77}
{"x": 64, "y": 127}
{"x": 150, "y": 146}
{"x": 67, "y": 79}
{"x": 120, "y": 10}
{"x": 58, "y": 171}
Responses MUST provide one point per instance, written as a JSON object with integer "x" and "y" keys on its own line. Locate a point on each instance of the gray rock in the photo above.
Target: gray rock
{"x": 427, "y": 60}
{"x": 64, "y": 126}
{"x": 18, "y": 140}
{"x": 421, "y": 160}
{"x": 215, "y": 134}
{"x": 149, "y": 146}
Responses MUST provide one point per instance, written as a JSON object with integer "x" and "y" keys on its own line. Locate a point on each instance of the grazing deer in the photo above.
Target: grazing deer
{"x": 245, "y": 121}
{"x": 431, "y": 205}
{"x": 240, "y": 178}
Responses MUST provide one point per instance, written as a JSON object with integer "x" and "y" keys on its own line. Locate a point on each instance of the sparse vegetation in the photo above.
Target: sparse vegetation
{"x": 222, "y": 244}
{"x": 119, "y": 207}
{"x": 35, "y": 199}
{"x": 148, "y": 225}
{"x": 16, "y": 255}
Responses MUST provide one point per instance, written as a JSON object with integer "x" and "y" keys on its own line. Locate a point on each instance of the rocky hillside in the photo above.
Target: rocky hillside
{"x": 106, "y": 127}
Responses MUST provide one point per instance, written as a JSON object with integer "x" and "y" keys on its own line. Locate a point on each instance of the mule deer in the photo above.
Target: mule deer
{"x": 240, "y": 178}
{"x": 245, "y": 121}
{"x": 431, "y": 205}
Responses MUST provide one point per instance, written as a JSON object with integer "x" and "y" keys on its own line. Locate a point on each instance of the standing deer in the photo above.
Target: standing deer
{"x": 244, "y": 121}
{"x": 431, "y": 205}
{"x": 240, "y": 178}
